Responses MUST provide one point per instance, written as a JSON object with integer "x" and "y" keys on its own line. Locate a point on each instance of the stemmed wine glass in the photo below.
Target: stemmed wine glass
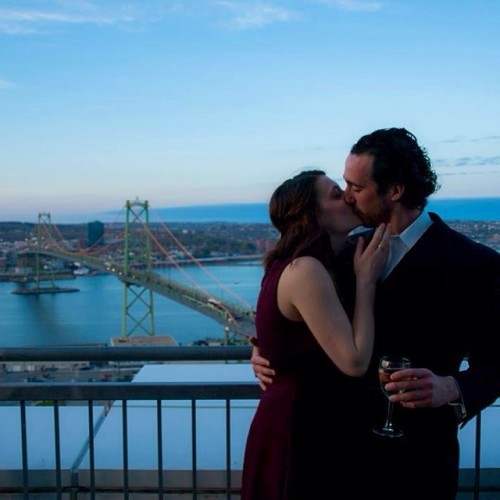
{"x": 387, "y": 366}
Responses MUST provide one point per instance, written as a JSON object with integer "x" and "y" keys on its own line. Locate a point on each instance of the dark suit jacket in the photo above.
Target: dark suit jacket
{"x": 439, "y": 306}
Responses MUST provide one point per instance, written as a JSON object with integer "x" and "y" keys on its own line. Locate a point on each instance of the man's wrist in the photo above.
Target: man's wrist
{"x": 457, "y": 403}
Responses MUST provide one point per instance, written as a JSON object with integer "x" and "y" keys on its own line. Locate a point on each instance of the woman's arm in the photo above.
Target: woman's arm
{"x": 306, "y": 292}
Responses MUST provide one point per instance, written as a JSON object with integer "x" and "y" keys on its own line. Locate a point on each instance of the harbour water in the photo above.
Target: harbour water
{"x": 94, "y": 313}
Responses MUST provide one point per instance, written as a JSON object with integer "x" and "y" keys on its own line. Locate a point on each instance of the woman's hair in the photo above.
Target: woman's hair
{"x": 399, "y": 159}
{"x": 293, "y": 212}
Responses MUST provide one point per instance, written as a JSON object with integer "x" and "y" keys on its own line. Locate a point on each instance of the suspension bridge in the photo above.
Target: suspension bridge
{"x": 127, "y": 253}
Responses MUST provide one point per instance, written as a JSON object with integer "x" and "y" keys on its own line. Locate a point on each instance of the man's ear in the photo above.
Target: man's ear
{"x": 396, "y": 192}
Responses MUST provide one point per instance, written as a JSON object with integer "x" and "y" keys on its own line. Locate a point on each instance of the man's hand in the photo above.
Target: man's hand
{"x": 421, "y": 388}
{"x": 261, "y": 369}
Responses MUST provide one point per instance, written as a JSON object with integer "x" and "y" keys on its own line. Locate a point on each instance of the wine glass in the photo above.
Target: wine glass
{"x": 387, "y": 366}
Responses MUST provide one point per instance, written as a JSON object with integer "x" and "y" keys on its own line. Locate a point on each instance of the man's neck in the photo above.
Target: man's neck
{"x": 402, "y": 217}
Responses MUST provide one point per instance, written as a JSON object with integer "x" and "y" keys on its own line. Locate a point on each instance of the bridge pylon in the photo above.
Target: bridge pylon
{"x": 44, "y": 221}
{"x": 138, "y": 304}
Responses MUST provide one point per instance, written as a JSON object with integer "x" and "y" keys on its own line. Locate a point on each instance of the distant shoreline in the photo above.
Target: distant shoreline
{"x": 467, "y": 209}
{"x": 450, "y": 209}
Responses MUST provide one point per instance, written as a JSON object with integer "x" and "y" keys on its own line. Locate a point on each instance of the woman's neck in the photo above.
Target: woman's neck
{"x": 337, "y": 240}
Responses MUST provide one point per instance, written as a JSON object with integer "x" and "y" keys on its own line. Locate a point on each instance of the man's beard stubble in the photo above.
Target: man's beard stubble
{"x": 381, "y": 215}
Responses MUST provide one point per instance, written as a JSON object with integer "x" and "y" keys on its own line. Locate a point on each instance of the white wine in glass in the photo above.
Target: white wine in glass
{"x": 387, "y": 366}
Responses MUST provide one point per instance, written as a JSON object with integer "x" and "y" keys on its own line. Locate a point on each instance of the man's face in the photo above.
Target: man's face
{"x": 362, "y": 191}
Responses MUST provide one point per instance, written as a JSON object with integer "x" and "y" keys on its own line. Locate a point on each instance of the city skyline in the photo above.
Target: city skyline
{"x": 205, "y": 102}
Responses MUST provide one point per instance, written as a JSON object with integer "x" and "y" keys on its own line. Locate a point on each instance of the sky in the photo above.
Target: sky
{"x": 200, "y": 102}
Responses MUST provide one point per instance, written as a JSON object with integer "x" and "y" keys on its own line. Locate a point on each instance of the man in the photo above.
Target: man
{"x": 437, "y": 304}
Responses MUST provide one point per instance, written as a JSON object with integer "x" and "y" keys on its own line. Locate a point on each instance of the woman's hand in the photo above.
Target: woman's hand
{"x": 369, "y": 262}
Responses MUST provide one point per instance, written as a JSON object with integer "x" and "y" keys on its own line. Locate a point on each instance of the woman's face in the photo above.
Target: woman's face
{"x": 334, "y": 214}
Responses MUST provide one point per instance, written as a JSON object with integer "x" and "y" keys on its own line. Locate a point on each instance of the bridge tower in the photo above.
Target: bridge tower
{"x": 138, "y": 305}
{"x": 44, "y": 221}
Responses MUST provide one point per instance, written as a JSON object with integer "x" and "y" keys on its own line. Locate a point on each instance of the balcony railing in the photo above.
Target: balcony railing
{"x": 70, "y": 419}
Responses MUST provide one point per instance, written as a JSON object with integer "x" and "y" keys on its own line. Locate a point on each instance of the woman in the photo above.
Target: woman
{"x": 306, "y": 334}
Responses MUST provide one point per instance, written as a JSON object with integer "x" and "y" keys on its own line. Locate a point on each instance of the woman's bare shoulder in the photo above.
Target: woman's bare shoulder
{"x": 306, "y": 264}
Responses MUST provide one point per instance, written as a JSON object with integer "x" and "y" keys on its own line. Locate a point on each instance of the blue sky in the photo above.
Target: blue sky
{"x": 193, "y": 102}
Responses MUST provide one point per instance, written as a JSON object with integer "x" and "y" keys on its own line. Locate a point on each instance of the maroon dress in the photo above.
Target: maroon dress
{"x": 306, "y": 414}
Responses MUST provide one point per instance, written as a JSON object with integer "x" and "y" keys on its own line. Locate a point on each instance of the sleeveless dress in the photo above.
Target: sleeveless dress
{"x": 308, "y": 411}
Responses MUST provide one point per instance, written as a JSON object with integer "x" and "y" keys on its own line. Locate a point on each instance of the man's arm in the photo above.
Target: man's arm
{"x": 261, "y": 368}
{"x": 477, "y": 318}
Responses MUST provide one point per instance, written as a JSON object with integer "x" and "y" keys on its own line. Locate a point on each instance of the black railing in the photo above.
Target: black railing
{"x": 84, "y": 475}
{"x": 72, "y": 480}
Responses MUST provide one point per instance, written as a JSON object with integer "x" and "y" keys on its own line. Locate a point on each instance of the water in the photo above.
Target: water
{"x": 94, "y": 314}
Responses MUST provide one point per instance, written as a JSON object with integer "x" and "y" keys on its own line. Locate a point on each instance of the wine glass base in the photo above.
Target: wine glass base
{"x": 387, "y": 432}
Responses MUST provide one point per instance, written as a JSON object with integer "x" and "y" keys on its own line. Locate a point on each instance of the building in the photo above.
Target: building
{"x": 95, "y": 233}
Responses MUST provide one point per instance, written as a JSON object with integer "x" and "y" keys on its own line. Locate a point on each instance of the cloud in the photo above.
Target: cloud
{"x": 478, "y": 160}
{"x": 351, "y": 5}
{"x": 469, "y": 161}
{"x": 487, "y": 138}
{"x": 20, "y": 22}
{"x": 493, "y": 138}
{"x": 4, "y": 84}
{"x": 468, "y": 173}
{"x": 23, "y": 18}
{"x": 248, "y": 15}
{"x": 34, "y": 16}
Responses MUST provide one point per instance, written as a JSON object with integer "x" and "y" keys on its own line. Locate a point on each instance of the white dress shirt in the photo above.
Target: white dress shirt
{"x": 401, "y": 243}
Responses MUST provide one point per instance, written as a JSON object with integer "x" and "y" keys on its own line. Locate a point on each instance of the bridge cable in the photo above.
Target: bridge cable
{"x": 203, "y": 268}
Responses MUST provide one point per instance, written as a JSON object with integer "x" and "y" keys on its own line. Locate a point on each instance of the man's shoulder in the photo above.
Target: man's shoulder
{"x": 458, "y": 242}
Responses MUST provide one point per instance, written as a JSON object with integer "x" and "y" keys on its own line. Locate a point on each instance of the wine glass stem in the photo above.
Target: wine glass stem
{"x": 388, "y": 420}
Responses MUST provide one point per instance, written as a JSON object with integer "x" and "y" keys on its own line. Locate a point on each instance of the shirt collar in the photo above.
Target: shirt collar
{"x": 416, "y": 229}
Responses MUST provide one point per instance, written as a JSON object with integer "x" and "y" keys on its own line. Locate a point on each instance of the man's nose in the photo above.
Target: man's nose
{"x": 348, "y": 196}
